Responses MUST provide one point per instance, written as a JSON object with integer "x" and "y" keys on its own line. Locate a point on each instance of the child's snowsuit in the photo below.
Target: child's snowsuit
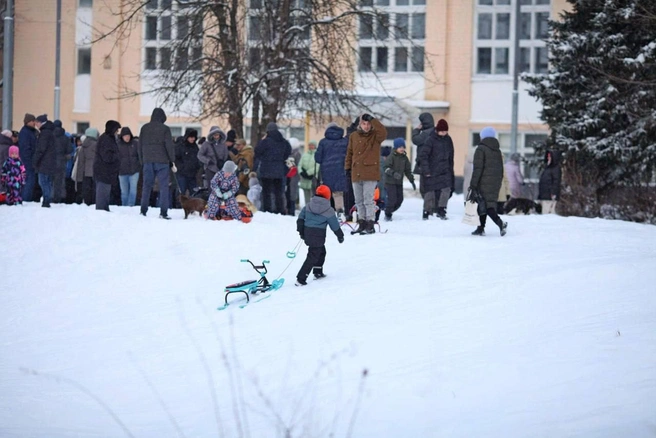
{"x": 396, "y": 165}
{"x": 223, "y": 189}
{"x": 311, "y": 225}
{"x": 13, "y": 175}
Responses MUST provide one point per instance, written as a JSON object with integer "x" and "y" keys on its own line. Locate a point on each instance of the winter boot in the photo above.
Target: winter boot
{"x": 340, "y": 215}
{"x": 441, "y": 213}
{"x": 318, "y": 273}
{"x": 502, "y": 228}
{"x": 361, "y": 226}
{"x": 300, "y": 281}
{"x": 425, "y": 215}
{"x": 388, "y": 217}
{"x": 165, "y": 216}
{"x": 369, "y": 228}
{"x": 480, "y": 231}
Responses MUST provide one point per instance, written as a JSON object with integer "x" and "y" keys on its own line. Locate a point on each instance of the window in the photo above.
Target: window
{"x": 80, "y": 127}
{"x": 84, "y": 60}
{"x": 393, "y": 42}
{"x": 495, "y": 28}
{"x": 86, "y": 4}
{"x": 170, "y": 27}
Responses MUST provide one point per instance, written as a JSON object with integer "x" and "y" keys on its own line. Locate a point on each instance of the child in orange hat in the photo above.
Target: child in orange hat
{"x": 311, "y": 225}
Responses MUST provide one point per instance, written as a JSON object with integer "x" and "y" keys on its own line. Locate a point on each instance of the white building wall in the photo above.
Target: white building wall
{"x": 403, "y": 85}
{"x": 491, "y": 102}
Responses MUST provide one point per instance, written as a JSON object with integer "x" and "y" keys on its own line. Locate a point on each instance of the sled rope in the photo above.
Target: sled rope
{"x": 292, "y": 255}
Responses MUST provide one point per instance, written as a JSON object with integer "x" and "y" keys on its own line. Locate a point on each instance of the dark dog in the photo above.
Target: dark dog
{"x": 189, "y": 205}
{"x": 522, "y": 205}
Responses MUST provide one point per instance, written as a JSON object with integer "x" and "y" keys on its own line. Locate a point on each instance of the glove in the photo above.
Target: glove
{"x": 340, "y": 239}
{"x": 414, "y": 187}
{"x": 397, "y": 175}
{"x": 389, "y": 171}
{"x": 174, "y": 169}
{"x": 227, "y": 195}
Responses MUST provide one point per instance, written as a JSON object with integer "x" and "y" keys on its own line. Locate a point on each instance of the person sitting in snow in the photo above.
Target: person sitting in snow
{"x": 311, "y": 225}
{"x": 13, "y": 176}
{"x": 224, "y": 187}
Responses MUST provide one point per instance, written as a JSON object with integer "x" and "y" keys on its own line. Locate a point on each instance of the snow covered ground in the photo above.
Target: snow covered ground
{"x": 109, "y": 328}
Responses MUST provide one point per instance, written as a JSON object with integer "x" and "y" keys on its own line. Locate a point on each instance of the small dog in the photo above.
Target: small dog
{"x": 189, "y": 205}
{"x": 522, "y": 205}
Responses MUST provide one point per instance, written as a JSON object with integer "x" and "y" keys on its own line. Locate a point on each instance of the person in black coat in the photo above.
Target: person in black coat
{"x": 27, "y": 146}
{"x": 435, "y": 161}
{"x": 129, "y": 169}
{"x": 549, "y": 187}
{"x": 270, "y": 155}
{"x": 186, "y": 160}
{"x": 45, "y": 157}
{"x": 107, "y": 164}
{"x": 487, "y": 177}
{"x": 63, "y": 155}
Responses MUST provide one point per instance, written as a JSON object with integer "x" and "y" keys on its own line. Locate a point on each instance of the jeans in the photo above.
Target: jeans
{"x": 364, "y": 199}
{"x": 128, "y": 189}
{"x": 46, "y": 183}
{"x": 161, "y": 172}
{"x": 186, "y": 183}
{"x": 28, "y": 188}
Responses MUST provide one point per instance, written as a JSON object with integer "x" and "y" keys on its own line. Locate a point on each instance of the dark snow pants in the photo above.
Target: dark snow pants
{"x": 315, "y": 259}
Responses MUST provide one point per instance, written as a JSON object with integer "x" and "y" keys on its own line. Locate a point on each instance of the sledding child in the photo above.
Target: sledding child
{"x": 223, "y": 188}
{"x": 254, "y": 190}
{"x": 311, "y": 225}
{"x": 396, "y": 165}
{"x": 13, "y": 176}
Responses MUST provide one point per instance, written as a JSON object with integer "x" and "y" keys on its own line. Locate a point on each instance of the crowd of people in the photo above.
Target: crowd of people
{"x": 116, "y": 167}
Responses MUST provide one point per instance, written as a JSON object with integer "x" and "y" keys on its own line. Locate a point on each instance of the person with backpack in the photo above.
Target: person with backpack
{"x": 311, "y": 226}
{"x": 213, "y": 153}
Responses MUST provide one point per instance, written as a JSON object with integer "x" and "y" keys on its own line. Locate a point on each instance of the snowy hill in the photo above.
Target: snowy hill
{"x": 109, "y": 328}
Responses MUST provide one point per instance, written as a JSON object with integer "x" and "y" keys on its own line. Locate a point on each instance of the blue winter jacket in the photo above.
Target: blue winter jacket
{"x": 313, "y": 219}
{"x": 27, "y": 146}
{"x": 331, "y": 154}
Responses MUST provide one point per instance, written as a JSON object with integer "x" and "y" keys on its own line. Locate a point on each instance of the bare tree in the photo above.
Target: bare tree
{"x": 266, "y": 58}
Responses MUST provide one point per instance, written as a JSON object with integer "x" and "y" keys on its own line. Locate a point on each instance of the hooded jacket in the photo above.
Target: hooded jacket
{"x": 129, "y": 153}
{"x": 363, "y": 153}
{"x": 436, "y": 159}
{"x": 155, "y": 141}
{"x": 107, "y": 163}
{"x": 331, "y": 154}
{"x": 549, "y": 185}
{"x": 313, "y": 220}
{"x": 488, "y": 170}
{"x": 63, "y": 146}
{"x": 420, "y": 135}
{"x": 214, "y": 153}
{"x": 45, "y": 157}
{"x": 400, "y": 164}
{"x": 270, "y": 155}
{"x": 186, "y": 155}
{"x": 86, "y": 154}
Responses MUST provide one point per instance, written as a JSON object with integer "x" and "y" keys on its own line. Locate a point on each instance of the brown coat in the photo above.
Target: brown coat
{"x": 244, "y": 159}
{"x": 363, "y": 153}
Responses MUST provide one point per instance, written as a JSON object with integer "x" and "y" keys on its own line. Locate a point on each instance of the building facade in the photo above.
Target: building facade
{"x": 451, "y": 58}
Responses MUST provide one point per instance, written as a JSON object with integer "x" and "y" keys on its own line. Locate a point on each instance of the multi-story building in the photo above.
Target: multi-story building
{"x": 451, "y": 58}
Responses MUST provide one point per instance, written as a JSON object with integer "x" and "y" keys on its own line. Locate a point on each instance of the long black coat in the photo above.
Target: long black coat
{"x": 155, "y": 140}
{"x": 436, "y": 163}
{"x": 64, "y": 148}
{"x": 270, "y": 156}
{"x": 420, "y": 135}
{"x": 487, "y": 175}
{"x": 45, "y": 156}
{"x": 550, "y": 179}
{"x": 186, "y": 155}
{"x": 108, "y": 160}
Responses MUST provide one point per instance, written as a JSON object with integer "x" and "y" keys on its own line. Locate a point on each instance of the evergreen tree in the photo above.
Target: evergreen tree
{"x": 599, "y": 99}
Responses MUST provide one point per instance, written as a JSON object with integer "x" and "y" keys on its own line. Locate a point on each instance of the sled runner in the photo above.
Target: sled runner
{"x": 249, "y": 287}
